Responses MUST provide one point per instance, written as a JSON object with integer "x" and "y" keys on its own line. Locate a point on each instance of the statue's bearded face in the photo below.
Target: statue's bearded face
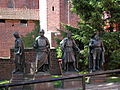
{"x": 97, "y": 37}
{"x": 69, "y": 35}
{"x": 41, "y": 33}
{"x": 16, "y": 35}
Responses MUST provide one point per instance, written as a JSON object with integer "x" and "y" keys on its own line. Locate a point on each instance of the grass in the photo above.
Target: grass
{"x": 57, "y": 84}
{"x": 83, "y": 72}
{"x": 4, "y": 81}
{"x": 113, "y": 79}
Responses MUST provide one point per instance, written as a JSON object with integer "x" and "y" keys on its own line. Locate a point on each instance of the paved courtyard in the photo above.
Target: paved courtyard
{"x": 102, "y": 86}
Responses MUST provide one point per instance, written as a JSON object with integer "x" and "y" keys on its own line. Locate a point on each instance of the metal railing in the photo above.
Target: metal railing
{"x": 6, "y": 86}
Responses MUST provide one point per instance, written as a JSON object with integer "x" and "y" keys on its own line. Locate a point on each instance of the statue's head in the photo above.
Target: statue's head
{"x": 69, "y": 34}
{"x": 97, "y": 37}
{"x": 16, "y": 34}
{"x": 42, "y": 32}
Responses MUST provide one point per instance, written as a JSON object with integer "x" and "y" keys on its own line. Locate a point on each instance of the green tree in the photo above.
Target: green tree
{"x": 30, "y": 37}
{"x": 91, "y": 13}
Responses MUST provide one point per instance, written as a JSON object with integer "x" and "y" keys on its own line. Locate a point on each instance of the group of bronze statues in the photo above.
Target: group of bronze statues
{"x": 69, "y": 49}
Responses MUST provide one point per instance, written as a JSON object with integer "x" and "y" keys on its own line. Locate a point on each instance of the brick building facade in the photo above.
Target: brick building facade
{"x": 7, "y": 65}
{"x": 18, "y": 15}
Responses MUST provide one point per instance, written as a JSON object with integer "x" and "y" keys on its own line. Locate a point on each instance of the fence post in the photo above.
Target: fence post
{"x": 6, "y": 88}
{"x": 83, "y": 82}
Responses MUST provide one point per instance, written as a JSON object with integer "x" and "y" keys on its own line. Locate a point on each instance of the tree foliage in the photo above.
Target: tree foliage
{"x": 29, "y": 38}
{"x": 91, "y": 13}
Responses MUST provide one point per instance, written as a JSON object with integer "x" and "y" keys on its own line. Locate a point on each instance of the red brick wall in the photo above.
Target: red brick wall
{"x": 32, "y": 4}
{"x": 6, "y": 34}
{"x": 6, "y": 68}
{"x": 53, "y": 15}
{"x": 59, "y": 15}
{"x": 7, "y": 65}
{"x": 3, "y": 3}
{"x": 64, "y": 11}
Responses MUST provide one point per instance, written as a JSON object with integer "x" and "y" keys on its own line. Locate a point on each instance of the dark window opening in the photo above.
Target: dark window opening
{"x": 12, "y": 25}
{"x": 52, "y": 8}
{"x": 11, "y": 4}
{"x": 23, "y": 22}
{"x": 2, "y": 21}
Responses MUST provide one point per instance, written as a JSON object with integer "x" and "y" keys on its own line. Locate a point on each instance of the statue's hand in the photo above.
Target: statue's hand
{"x": 17, "y": 53}
{"x": 103, "y": 49}
{"x": 35, "y": 45}
{"x": 14, "y": 60}
{"x": 78, "y": 50}
{"x": 48, "y": 50}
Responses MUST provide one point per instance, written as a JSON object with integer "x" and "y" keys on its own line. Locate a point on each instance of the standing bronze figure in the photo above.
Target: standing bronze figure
{"x": 96, "y": 53}
{"x": 69, "y": 47}
{"x": 42, "y": 47}
{"x": 19, "y": 54}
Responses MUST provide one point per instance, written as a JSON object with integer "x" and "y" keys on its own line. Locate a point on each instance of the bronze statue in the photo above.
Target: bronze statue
{"x": 69, "y": 47}
{"x": 19, "y": 54}
{"x": 96, "y": 53}
{"x": 42, "y": 47}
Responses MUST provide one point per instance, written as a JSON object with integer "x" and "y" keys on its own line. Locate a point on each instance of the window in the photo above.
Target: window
{"x": 11, "y": 4}
{"x": 23, "y": 22}
{"x": 52, "y": 8}
{"x": 2, "y": 21}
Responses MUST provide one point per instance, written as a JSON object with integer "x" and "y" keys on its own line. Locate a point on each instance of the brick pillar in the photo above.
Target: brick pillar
{"x": 72, "y": 83}
{"x": 43, "y": 86}
{"x": 54, "y": 65}
{"x": 17, "y": 78}
{"x": 98, "y": 78}
{"x": 20, "y": 77}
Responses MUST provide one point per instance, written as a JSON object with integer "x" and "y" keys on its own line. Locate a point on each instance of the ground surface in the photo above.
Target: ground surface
{"x": 102, "y": 86}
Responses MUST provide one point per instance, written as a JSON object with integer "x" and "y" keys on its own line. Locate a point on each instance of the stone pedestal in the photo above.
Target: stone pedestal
{"x": 27, "y": 78}
{"x": 98, "y": 78}
{"x": 43, "y": 86}
{"x": 72, "y": 83}
{"x": 18, "y": 77}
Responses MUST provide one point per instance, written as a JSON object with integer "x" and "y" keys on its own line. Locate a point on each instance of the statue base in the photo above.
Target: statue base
{"x": 20, "y": 77}
{"x": 43, "y": 86}
{"x": 98, "y": 78}
{"x": 72, "y": 83}
{"x": 17, "y": 77}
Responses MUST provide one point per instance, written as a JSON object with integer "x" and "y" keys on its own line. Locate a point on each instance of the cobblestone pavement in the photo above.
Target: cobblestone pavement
{"x": 102, "y": 86}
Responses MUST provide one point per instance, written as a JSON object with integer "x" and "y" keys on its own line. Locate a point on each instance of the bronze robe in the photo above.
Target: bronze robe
{"x": 42, "y": 47}
{"x": 19, "y": 55}
{"x": 96, "y": 54}
{"x": 69, "y": 48}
